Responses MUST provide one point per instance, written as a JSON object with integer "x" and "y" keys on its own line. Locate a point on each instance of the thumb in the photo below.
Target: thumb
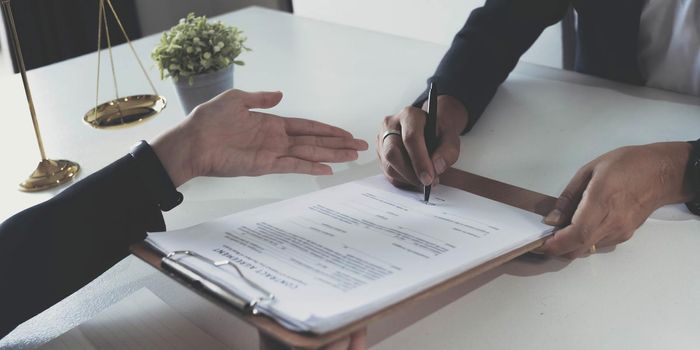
{"x": 446, "y": 154}
{"x": 261, "y": 99}
{"x": 569, "y": 198}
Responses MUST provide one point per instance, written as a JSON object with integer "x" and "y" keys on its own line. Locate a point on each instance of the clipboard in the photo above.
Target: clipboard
{"x": 273, "y": 333}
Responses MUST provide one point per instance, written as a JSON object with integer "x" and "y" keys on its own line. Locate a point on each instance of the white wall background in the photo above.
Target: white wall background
{"x": 430, "y": 20}
{"x": 158, "y": 15}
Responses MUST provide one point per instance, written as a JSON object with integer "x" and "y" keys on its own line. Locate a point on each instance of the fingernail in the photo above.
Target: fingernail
{"x": 553, "y": 217}
{"x": 425, "y": 178}
{"x": 440, "y": 165}
{"x": 363, "y": 145}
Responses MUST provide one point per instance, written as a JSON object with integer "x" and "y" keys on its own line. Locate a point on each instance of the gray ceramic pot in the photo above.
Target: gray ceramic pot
{"x": 204, "y": 87}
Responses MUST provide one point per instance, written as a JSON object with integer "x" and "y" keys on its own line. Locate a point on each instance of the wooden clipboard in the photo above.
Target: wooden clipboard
{"x": 273, "y": 332}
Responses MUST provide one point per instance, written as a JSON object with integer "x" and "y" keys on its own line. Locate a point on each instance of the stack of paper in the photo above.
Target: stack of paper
{"x": 334, "y": 256}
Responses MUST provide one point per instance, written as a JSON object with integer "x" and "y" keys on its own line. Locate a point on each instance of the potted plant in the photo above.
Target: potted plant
{"x": 199, "y": 56}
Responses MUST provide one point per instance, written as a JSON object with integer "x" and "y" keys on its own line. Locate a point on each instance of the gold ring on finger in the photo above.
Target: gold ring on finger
{"x": 592, "y": 249}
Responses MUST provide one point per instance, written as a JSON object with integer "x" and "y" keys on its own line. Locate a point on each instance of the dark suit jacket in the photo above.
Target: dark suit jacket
{"x": 49, "y": 251}
{"x": 494, "y": 37}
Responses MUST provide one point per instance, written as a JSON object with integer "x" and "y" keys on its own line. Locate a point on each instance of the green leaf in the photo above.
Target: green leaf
{"x": 195, "y": 46}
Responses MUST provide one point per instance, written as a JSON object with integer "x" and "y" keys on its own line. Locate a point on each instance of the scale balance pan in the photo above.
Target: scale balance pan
{"x": 124, "y": 111}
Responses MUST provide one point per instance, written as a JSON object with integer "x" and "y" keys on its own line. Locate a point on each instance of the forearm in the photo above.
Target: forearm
{"x": 488, "y": 47}
{"x": 51, "y": 250}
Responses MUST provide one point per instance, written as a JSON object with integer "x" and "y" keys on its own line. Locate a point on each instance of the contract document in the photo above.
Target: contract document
{"x": 334, "y": 256}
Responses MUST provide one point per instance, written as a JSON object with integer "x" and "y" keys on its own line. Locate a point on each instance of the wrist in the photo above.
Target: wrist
{"x": 676, "y": 173}
{"x": 174, "y": 154}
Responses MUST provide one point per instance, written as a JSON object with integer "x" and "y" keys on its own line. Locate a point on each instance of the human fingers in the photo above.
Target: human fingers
{"x": 571, "y": 241}
{"x": 260, "y": 99}
{"x": 397, "y": 180}
{"x": 306, "y": 127}
{"x": 393, "y": 176}
{"x": 609, "y": 233}
{"x": 585, "y": 228}
{"x": 614, "y": 229}
{"x": 412, "y": 128}
{"x": 621, "y": 224}
{"x": 396, "y": 163}
{"x": 300, "y": 166}
{"x": 321, "y": 154}
{"x": 332, "y": 142}
{"x": 447, "y": 152}
{"x": 569, "y": 198}
{"x": 325, "y": 149}
{"x": 394, "y": 160}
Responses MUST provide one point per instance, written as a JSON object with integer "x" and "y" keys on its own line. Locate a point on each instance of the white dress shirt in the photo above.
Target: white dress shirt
{"x": 669, "y": 45}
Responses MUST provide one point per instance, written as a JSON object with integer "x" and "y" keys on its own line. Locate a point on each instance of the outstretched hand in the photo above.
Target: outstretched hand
{"x": 610, "y": 197}
{"x": 223, "y": 137}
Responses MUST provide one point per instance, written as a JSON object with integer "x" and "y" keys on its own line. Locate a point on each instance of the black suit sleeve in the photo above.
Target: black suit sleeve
{"x": 49, "y": 251}
{"x": 488, "y": 47}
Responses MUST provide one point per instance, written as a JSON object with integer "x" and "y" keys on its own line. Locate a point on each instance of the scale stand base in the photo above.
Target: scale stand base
{"x": 48, "y": 174}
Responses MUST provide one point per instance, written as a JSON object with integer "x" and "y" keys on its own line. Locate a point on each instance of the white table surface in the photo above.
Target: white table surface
{"x": 543, "y": 124}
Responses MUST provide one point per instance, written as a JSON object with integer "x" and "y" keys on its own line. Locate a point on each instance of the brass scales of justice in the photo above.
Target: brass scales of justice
{"x": 121, "y": 111}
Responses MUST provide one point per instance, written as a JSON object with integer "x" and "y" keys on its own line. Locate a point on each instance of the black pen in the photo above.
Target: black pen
{"x": 430, "y": 130}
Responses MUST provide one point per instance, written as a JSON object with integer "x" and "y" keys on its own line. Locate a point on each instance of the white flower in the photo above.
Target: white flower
{"x": 207, "y": 55}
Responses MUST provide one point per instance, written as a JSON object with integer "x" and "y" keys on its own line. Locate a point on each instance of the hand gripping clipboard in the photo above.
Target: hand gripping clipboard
{"x": 272, "y": 332}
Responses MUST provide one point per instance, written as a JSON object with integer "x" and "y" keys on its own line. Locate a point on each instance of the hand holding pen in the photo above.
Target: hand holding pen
{"x": 401, "y": 143}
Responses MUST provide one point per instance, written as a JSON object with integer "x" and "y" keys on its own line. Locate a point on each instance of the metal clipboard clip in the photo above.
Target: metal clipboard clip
{"x": 171, "y": 262}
